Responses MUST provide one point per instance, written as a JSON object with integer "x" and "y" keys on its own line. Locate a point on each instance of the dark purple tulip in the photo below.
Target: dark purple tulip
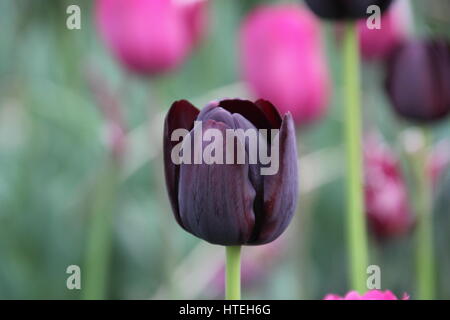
{"x": 345, "y": 9}
{"x": 418, "y": 80}
{"x": 232, "y": 204}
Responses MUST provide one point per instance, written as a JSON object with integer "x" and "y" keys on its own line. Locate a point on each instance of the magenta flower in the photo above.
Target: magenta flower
{"x": 370, "y": 295}
{"x": 150, "y": 36}
{"x": 282, "y": 60}
{"x": 395, "y": 24}
{"x": 387, "y": 204}
{"x": 195, "y": 13}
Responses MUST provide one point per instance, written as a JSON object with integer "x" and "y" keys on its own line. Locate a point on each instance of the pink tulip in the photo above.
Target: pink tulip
{"x": 370, "y": 295}
{"x": 387, "y": 204}
{"x": 282, "y": 60}
{"x": 195, "y": 14}
{"x": 379, "y": 43}
{"x": 150, "y": 36}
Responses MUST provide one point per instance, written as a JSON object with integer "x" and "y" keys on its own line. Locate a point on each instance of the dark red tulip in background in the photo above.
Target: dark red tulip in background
{"x": 387, "y": 203}
{"x": 418, "y": 80}
{"x": 345, "y": 9}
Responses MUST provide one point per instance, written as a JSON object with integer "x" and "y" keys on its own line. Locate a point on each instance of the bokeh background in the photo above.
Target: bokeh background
{"x": 60, "y": 182}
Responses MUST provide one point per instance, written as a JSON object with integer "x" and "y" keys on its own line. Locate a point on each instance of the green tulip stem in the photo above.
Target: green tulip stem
{"x": 424, "y": 207}
{"x": 99, "y": 237}
{"x": 233, "y": 273}
{"x": 356, "y": 227}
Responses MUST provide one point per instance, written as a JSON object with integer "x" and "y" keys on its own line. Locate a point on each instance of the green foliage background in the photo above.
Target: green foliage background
{"x": 53, "y": 164}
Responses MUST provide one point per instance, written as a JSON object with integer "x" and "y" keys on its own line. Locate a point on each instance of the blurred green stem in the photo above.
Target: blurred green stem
{"x": 233, "y": 273}
{"x": 302, "y": 234}
{"x": 357, "y": 235}
{"x": 98, "y": 249}
{"x": 424, "y": 208}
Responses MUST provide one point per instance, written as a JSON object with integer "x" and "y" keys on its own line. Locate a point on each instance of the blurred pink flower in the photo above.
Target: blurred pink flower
{"x": 150, "y": 36}
{"x": 370, "y": 295}
{"x": 395, "y": 24}
{"x": 195, "y": 13}
{"x": 282, "y": 60}
{"x": 386, "y": 194}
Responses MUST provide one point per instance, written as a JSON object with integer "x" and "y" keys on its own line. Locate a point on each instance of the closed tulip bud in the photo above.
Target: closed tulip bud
{"x": 345, "y": 9}
{"x": 282, "y": 60}
{"x": 418, "y": 80}
{"x": 387, "y": 204}
{"x": 150, "y": 36}
{"x": 394, "y": 28}
{"x": 370, "y": 295}
{"x": 228, "y": 201}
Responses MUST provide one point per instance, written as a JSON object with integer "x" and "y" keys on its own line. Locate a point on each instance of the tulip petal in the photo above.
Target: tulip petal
{"x": 281, "y": 189}
{"x": 209, "y": 107}
{"x": 248, "y": 110}
{"x": 271, "y": 113}
{"x": 370, "y": 295}
{"x": 213, "y": 112}
{"x": 148, "y": 37}
{"x": 255, "y": 168}
{"x": 181, "y": 115}
{"x": 216, "y": 200}
{"x": 330, "y": 9}
{"x": 439, "y": 55}
{"x": 345, "y": 9}
{"x": 418, "y": 80}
